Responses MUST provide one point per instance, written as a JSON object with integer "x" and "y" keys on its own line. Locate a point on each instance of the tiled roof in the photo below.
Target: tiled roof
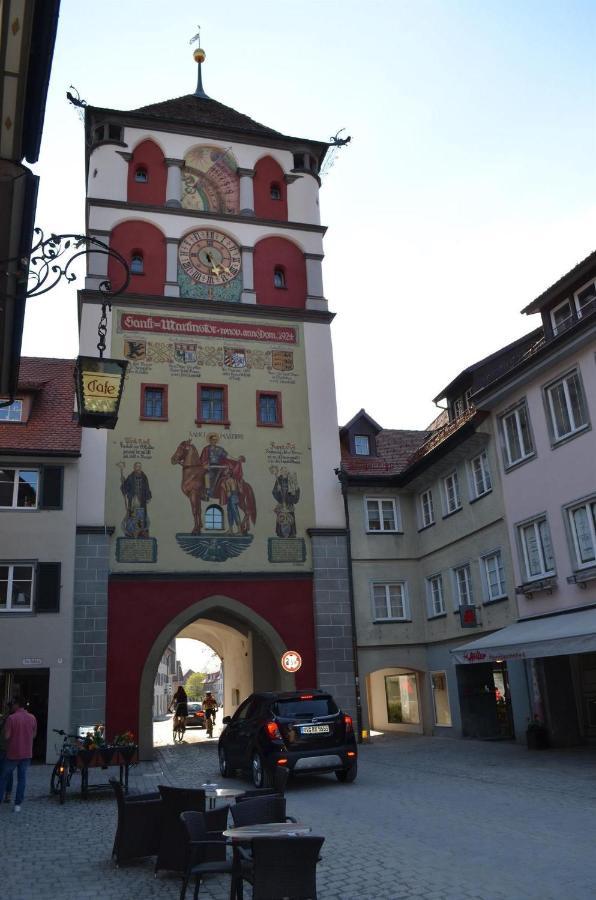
{"x": 51, "y": 427}
{"x": 201, "y": 111}
{"x": 582, "y": 270}
{"x": 394, "y": 449}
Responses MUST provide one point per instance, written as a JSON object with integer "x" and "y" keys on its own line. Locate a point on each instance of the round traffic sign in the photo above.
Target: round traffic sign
{"x": 291, "y": 661}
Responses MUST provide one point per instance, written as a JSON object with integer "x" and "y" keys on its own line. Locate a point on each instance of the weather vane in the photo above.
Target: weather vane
{"x": 197, "y": 36}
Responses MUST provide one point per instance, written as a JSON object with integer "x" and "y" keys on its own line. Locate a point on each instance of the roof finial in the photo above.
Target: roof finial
{"x": 199, "y": 57}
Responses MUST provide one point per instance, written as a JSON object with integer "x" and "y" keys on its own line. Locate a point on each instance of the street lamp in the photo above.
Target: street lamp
{"x": 99, "y": 383}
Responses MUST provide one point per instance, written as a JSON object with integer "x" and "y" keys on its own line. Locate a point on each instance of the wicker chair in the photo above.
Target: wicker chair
{"x": 173, "y": 842}
{"x": 206, "y": 848}
{"x": 256, "y": 793}
{"x": 281, "y": 867}
{"x": 260, "y": 810}
{"x": 139, "y": 824}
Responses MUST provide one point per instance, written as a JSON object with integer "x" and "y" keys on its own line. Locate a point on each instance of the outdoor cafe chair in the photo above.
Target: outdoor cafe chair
{"x": 281, "y": 868}
{"x": 138, "y": 826}
{"x": 260, "y": 810}
{"x": 206, "y": 849}
{"x": 171, "y": 854}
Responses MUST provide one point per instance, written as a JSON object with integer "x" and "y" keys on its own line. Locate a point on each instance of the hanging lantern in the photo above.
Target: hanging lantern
{"x": 99, "y": 384}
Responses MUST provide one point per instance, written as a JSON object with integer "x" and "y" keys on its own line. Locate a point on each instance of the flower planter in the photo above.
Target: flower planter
{"x": 106, "y": 754}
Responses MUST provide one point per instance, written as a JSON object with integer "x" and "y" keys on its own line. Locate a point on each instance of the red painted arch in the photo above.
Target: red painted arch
{"x": 148, "y": 156}
{"x": 268, "y": 172}
{"x": 138, "y": 612}
{"x": 134, "y": 237}
{"x": 276, "y": 252}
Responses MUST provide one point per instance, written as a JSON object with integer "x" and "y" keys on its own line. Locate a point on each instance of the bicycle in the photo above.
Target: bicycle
{"x": 65, "y": 766}
{"x": 209, "y": 721}
{"x": 178, "y": 729}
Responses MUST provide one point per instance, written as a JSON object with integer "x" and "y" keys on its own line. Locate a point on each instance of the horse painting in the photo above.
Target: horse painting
{"x": 193, "y": 479}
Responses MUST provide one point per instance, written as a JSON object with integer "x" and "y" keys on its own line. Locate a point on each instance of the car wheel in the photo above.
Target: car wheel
{"x": 224, "y": 766}
{"x": 347, "y": 776}
{"x": 261, "y": 777}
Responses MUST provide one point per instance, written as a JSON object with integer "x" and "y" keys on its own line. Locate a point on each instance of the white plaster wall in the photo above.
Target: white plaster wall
{"x": 246, "y": 232}
{"x": 45, "y": 536}
{"x": 108, "y": 173}
{"x": 92, "y": 477}
{"x": 553, "y": 478}
{"x": 303, "y": 200}
{"x": 324, "y": 429}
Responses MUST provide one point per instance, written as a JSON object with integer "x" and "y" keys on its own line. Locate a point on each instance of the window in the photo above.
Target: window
{"x": 493, "y": 576}
{"x": 459, "y": 407}
{"x": 463, "y": 585}
{"x": 401, "y": 694}
{"x": 390, "y": 601}
{"x": 537, "y": 549}
{"x": 381, "y": 515}
{"x": 582, "y": 519}
{"x": 584, "y": 298}
{"x": 442, "y": 711}
{"x": 115, "y": 132}
{"x": 214, "y": 519}
{"x": 361, "y": 445}
{"x": 269, "y": 409}
{"x": 16, "y": 588}
{"x": 141, "y": 175}
{"x": 435, "y": 597}
{"x": 566, "y": 406}
{"x": 213, "y": 403}
{"x": 452, "y": 498}
{"x": 13, "y": 412}
{"x": 154, "y": 401}
{"x": 517, "y": 438}
{"x": 19, "y": 488}
{"x": 561, "y": 316}
{"x": 137, "y": 266}
{"x": 279, "y": 278}
{"x": 481, "y": 482}
{"x": 275, "y": 191}
{"x": 427, "y": 510}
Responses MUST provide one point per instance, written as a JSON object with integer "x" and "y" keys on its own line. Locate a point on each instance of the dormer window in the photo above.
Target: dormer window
{"x": 141, "y": 175}
{"x": 275, "y": 191}
{"x": 279, "y": 278}
{"x": 585, "y": 299}
{"x": 137, "y": 266}
{"x": 561, "y": 317}
{"x": 361, "y": 445}
{"x": 107, "y": 132}
{"x": 13, "y": 412}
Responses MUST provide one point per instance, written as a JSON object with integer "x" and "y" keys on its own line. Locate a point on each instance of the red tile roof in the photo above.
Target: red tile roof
{"x": 394, "y": 449}
{"x": 51, "y": 428}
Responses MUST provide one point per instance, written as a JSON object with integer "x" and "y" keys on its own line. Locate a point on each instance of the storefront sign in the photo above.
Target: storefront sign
{"x": 468, "y": 617}
{"x": 32, "y": 661}
{"x": 204, "y": 328}
{"x": 291, "y": 661}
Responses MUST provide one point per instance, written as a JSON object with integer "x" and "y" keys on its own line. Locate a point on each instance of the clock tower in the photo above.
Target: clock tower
{"x": 212, "y": 510}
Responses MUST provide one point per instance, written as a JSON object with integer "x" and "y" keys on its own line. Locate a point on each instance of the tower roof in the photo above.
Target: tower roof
{"x": 193, "y": 110}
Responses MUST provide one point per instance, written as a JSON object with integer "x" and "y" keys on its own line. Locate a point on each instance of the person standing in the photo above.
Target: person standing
{"x": 20, "y": 729}
{"x": 9, "y": 780}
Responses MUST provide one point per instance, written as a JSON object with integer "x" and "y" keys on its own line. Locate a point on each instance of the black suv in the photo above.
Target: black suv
{"x": 303, "y": 730}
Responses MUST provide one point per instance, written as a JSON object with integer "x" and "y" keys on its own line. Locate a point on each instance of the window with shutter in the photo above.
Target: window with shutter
{"x": 52, "y": 480}
{"x": 47, "y": 594}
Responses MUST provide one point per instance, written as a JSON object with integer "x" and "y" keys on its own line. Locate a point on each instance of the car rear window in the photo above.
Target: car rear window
{"x": 296, "y": 708}
{"x": 193, "y": 707}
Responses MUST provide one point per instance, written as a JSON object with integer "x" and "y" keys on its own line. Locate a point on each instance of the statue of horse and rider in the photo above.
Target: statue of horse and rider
{"x": 213, "y": 475}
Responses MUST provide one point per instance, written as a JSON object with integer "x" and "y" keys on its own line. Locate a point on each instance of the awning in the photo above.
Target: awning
{"x": 553, "y": 636}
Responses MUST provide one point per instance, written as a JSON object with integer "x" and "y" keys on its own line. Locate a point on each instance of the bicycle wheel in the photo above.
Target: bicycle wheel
{"x": 55, "y": 779}
{"x": 63, "y": 784}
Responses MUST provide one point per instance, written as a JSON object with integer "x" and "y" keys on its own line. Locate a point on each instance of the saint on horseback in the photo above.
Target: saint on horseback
{"x": 193, "y": 478}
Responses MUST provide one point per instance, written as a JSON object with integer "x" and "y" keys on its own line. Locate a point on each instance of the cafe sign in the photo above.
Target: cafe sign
{"x": 291, "y": 661}
{"x": 99, "y": 389}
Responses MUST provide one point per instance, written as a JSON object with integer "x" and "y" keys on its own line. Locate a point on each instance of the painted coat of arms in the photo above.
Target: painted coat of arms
{"x": 282, "y": 360}
{"x": 185, "y": 353}
{"x": 234, "y": 358}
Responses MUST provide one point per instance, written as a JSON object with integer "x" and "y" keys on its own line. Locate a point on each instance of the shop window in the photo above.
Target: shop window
{"x": 154, "y": 401}
{"x": 440, "y": 693}
{"x": 279, "y": 278}
{"x": 141, "y": 175}
{"x": 401, "y": 694}
{"x": 137, "y": 264}
{"x": 212, "y": 404}
{"x": 269, "y": 409}
{"x": 275, "y": 191}
{"x": 214, "y": 518}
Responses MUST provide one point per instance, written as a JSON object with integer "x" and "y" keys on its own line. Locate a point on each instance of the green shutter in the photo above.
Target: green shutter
{"x": 47, "y": 590}
{"x": 52, "y": 479}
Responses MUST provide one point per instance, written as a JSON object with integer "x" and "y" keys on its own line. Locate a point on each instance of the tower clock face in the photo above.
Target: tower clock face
{"x": 209, "y": 257}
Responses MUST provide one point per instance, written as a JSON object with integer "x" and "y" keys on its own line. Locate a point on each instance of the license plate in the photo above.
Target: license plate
{"x": 315, "y": 729}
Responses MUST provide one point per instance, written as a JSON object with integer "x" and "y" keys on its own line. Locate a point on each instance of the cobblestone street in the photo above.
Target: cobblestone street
{"x": 427, "y": 818}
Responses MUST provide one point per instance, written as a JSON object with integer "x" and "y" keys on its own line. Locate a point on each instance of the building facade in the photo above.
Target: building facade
{"x": 213, "y": 504}
{"x": 165, "y": 681}
{"x": 543, "y": 409}
{"x": 39, "y": 459}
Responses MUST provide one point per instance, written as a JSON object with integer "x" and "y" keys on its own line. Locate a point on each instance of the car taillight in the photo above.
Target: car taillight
{"x": 273, "y": 731}
{"x": 348, "y": 724}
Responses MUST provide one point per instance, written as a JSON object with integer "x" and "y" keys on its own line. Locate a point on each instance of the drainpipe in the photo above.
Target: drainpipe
{"x": 344, "y": 491}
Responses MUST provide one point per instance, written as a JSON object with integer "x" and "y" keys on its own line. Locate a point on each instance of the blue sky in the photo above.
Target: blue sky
{"x": 468, "y": 188}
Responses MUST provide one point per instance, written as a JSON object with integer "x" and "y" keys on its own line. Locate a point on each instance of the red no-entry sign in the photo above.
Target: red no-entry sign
{"x": 291, "y": 661}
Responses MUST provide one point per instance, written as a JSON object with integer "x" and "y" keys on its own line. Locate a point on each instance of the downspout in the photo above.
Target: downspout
{"x": 344, "y": 491}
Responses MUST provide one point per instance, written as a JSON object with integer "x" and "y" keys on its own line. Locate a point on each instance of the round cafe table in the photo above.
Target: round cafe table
{"x": 267, "y": 829}
{"x": 214, "y": 793}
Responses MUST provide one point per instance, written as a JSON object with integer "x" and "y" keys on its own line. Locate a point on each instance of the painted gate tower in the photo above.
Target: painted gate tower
{"x": 212, "y": 510}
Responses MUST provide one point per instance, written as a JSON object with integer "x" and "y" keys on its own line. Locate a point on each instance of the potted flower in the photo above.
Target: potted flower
{"x": 126, "y": 745}
{"x": 537, "y": 735}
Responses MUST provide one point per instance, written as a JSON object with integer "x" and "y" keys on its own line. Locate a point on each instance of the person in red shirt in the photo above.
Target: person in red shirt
{"x": 20, "y": 729}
